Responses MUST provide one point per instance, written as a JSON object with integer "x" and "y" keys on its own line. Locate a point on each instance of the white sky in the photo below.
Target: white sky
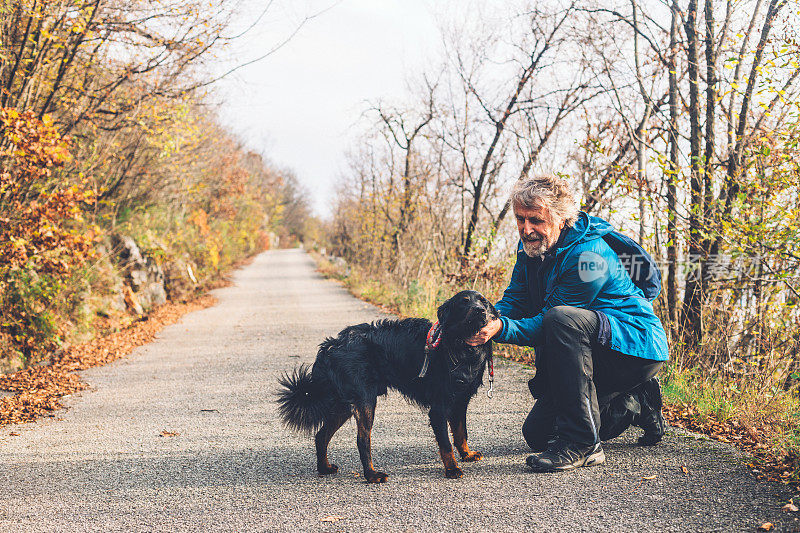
{"x": 299, "y": 106}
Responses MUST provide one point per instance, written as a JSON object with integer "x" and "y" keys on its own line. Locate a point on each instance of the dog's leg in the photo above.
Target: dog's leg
{"x": 364, "y": 417}
{"x": 323, "y": 437}
{"x": 439, "y": 425}
{"x": 458, "y": 426}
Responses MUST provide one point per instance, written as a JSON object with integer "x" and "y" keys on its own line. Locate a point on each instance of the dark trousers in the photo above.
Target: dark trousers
{"x": 576, "y": 378}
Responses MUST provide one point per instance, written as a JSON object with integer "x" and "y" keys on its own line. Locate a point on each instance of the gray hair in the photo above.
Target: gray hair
{"x": 549, "y": 191}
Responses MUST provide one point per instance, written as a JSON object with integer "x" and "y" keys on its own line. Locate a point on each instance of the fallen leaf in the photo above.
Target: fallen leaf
{"x": 790, "y": 508}
{"x": 166, "y": 433}
{"x": 684, "y": 469}
{"x": 766, "y": 526}
{"x": 331, "y": 518}
{"x": 649, "y": 478}
{"x": 13, "y": 434}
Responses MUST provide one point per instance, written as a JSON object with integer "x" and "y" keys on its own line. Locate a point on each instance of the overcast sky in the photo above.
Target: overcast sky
{"x": 299, "y": 106}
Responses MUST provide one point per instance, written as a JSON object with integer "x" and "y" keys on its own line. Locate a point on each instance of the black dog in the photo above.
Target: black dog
{"x": 353, "y": 369}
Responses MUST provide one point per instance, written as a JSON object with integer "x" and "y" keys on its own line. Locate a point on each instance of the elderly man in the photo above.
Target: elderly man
{"x": 598, "y": 343}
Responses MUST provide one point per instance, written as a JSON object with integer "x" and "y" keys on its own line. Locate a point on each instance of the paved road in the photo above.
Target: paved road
{"x": 101, "y": 465}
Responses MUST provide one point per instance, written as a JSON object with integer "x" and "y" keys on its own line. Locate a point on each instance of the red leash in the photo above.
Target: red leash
{"x": 490, "y": 390}
{"x": 434, "y": 336}
{"x": 431, "y": 342}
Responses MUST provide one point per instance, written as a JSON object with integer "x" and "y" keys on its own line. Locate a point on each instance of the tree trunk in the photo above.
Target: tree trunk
{"x": 691, "y": 320}
{"x": 672, "y": 174}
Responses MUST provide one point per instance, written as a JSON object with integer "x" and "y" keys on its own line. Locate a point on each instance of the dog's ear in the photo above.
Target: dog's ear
{"x": 444, "y": 311}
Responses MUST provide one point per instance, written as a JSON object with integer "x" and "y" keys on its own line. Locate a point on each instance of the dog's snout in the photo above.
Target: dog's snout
{"x": 477, "y": 306}
{"x": 478, "y": 315}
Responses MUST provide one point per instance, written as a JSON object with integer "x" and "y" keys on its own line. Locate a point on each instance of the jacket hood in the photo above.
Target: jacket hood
{"x": 586, "y": 228}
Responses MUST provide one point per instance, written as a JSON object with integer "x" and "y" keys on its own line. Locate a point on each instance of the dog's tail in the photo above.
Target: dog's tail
{"x": 303, "y": 403}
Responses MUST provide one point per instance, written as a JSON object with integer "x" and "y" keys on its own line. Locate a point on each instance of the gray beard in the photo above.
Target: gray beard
{"x": 535, "y": 249}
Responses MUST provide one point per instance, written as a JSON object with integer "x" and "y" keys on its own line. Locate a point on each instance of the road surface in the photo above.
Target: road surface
{"x": 102, "y": 464}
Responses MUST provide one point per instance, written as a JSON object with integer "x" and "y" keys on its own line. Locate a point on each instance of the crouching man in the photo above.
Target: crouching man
{"x": 598, "y": 343}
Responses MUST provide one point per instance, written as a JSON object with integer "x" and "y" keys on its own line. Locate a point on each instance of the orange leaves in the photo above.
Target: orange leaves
{"x": 35, "y": 144}
{"x": 200, "y": 219}
{"x": 41, "y": 215}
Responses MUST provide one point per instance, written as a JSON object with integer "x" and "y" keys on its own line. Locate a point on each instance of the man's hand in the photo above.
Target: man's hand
{"x": 485, "y": 335}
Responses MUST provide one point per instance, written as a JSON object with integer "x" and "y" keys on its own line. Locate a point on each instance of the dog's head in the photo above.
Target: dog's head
{"x": 466, "y": 313}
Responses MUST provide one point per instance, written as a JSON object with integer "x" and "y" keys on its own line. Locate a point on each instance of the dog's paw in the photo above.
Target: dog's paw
{"x": 325, "y": 470}
{"x": 376, "y": 477}
{"x": 453, "y": 473}
{"x": 472, "y": 456}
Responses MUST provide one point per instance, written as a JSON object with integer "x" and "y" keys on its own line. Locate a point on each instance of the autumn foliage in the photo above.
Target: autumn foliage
{"x": 43, "y": 234}
{"x": 106, "y": 131}
{"x": 41, "y": 218}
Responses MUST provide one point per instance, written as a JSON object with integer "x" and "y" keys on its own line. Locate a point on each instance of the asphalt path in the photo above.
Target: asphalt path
{"x": 226, "y": 463}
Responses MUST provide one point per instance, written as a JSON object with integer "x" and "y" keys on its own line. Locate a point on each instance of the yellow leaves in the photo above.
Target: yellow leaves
{"x": 213, "y": 254}
{"x": 37, "y": 144}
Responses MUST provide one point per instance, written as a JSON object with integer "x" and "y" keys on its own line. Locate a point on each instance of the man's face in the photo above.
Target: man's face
{"x": 538, "y": 229}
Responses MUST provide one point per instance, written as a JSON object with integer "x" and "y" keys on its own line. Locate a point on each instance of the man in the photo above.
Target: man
{"x": 597, "y": 340}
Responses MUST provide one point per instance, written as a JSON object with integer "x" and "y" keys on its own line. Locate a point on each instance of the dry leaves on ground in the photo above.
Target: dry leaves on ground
{"x": 752, "y": 439}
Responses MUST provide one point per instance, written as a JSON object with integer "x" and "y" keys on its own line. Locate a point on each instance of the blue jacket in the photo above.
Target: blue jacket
{"x": 582, "y": 271}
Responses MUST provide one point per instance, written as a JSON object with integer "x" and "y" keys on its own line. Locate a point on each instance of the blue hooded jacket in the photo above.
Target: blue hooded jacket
{"x": 582, "y": 271}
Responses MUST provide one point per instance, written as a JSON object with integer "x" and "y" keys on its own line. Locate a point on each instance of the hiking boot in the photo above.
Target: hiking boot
{"x": 618, "y": 415}
{"x": 651, "y": 420}
{"x": 563, "y": 455}
{"x": 542, "y": 447}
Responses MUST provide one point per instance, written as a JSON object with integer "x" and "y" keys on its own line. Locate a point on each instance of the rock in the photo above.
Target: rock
{"x": 340, "y": 264}
{"x": 180, "y": 281}
{"x": 142, "y": 275}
